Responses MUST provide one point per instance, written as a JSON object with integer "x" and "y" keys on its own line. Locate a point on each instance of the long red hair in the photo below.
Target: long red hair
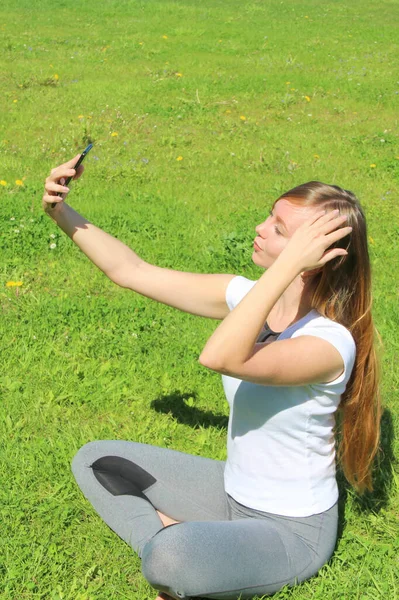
{"x": 341, "y": 291}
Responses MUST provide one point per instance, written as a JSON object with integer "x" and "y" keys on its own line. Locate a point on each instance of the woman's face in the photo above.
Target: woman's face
{"x": 275, "y": 233}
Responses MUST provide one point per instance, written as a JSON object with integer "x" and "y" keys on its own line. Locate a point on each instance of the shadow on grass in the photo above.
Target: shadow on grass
{"x": 376, "y": 500}
{"x": 175, "y": 404}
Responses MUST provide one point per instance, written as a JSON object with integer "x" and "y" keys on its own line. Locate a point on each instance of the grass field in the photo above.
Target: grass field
{"x": 201, "y": 115}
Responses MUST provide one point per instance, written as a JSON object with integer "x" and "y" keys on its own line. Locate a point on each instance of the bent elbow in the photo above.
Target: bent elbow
{"x": 204, "y": 360}
{"x": 211, "y": 362}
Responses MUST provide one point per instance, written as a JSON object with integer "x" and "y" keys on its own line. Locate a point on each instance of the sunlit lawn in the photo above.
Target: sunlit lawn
{"x": 201, "y": 114}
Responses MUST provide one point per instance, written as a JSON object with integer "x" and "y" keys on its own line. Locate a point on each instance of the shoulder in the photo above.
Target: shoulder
{"x": 316, "y": 325}
{"x": 321, "y": 326}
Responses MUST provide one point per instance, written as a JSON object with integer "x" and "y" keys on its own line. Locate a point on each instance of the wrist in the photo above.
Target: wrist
{"x": 54, "y": 211}
{"x": 287, "y": 265}
{"x": 52, "y": 208}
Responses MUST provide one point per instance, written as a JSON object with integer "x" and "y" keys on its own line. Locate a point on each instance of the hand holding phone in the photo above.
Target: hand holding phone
{"x": 75, "y": 166}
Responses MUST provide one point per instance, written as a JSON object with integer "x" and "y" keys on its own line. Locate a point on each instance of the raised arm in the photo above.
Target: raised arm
{"x": 199, "y": 294}
{"x": 195, "y": 293}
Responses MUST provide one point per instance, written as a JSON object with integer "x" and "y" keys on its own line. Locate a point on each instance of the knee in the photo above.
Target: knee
{"x": 82, "y": 457}
{"x": 162, "y": 562}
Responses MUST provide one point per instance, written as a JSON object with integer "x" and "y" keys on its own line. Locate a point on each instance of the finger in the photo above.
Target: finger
{"x": 72, "y": 162}
{"x": 319, "y": 217}
{"x": 59, "y": 172}
{"x": 51, "y": 186}
{"x": 330, "y": 254}
{"x": 67, "y": 165}
{"x": 338, "y": 235}
{"x": 323, "y": 216}
{"x": 334, "y": 222}
{"x": 51, "y": 199}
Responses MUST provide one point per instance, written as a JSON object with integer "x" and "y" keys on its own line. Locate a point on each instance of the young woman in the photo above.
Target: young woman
{"x": 294, "y": 348}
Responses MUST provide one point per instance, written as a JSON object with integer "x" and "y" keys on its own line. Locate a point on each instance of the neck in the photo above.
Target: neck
{"x": 294, "y": 303}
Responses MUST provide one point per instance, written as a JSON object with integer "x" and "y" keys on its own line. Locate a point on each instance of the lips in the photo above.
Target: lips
{"x": 257, "y": 247}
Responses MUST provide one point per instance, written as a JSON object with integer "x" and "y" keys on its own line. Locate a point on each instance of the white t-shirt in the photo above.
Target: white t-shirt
{"x": 281, "y": 447}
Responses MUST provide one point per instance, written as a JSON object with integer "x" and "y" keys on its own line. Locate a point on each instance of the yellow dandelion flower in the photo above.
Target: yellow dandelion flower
{"x": 165, "y": 37}
{"x": 306, "y": 17}
{"x": 220, "y": 41}
{"x": 179, "y": 75}
{"x": 15, "y": 101}
{"x": 56, "y": 77}
{"x": 371, "y": 240}
{"x": 287, "y": 82}
{"x": 2, "y": 182}
{"x": 114, "y": 134}
{"x": 397, "y": 157}
{"x": 13, "y": 283}
{"x": 373, "y": 166}
{"x": 179, "y": 158}
{"x": 293, "y": 89}
{"x": 19, "y": 182}
{"x": 307, "y": 98}
{"x": 316, "y": 156}
{"x": 89, "y": 117}
{"x": 243, "y": 118}
{"x": 81, "y": 117}
{"x": 228, "y": 111}
{"x": 141, "y": 43}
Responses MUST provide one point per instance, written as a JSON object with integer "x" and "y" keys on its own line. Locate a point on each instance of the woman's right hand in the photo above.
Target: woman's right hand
{"x": 55, "y": 183}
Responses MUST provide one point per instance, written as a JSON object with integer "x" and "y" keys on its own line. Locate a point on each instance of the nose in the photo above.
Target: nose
{"x": 260, "y": 228}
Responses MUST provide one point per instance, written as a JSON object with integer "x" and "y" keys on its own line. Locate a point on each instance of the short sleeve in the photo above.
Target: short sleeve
{"x": 237, "y": 288}
{"x": 341, "y": 339}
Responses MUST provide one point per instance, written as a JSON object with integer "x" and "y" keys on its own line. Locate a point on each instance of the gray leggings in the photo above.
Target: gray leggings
{"x": 221, "y": 549}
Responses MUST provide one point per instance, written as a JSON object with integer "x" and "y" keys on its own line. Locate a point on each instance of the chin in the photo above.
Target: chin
{"x": 261, "y": 262}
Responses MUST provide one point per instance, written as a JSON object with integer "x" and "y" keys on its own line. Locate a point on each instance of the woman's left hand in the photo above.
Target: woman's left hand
{"x": 308, "y": 246}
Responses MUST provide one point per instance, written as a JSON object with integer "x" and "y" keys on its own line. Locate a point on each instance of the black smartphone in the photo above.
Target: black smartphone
{"x": 79, "y": 162}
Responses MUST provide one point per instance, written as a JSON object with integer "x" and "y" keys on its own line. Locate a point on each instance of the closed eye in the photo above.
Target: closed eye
{"x": 276, "y": 229}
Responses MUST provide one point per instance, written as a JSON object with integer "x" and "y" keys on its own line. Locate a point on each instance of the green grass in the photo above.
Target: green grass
{"x": 83, "y": 359}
